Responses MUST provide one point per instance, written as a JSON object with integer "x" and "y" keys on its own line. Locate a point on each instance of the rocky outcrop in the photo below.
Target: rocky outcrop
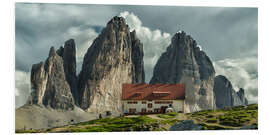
{"x": 68, "y": 54}
{"x": 225, "y": 95}
{"x": 49, "y": 85}
{"x": 38, "y": 83}
{"x": 114, "y": 58}
{"x": 185, "y": 125}
{"x": 137, "y": 58}
{"x": 241, "y": 95}
{"x": 184, "y": 62}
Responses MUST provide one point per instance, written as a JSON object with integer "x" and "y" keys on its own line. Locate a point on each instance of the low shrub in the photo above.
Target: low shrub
{"x": 172, "y": 114}
{"x": 170, "y": 122}
{"x": 212, "y": 120}
{"x": 209, "y": 116}
{"x": 211, "y": 127}
{"x": 233, "y": 123}
{"x": 253, "y": 107}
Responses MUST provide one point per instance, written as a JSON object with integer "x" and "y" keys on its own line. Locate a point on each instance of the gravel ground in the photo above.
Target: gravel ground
{"x": 35, "y": 117}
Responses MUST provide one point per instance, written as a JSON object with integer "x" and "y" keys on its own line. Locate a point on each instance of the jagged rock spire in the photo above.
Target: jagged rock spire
{"x": 225, "y": 94}
{"x": 114, "y": 58}
{"x": 68, "y": 54}
{"x": 49, "y": 85}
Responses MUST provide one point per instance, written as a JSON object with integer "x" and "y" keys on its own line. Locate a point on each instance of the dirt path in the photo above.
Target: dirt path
{"x": 155, "y": 116}
{"x": 181, "y": 116}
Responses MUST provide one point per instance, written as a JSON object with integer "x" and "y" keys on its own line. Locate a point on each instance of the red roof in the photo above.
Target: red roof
{"x": 153, "y": 91}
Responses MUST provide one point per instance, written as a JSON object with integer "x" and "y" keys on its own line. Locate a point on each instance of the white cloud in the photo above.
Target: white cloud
{"x": 22, "y": 87}
{"x": 243, "y": 73}
{"x": 155, "y": 41}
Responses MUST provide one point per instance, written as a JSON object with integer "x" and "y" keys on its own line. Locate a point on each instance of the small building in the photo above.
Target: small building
{"x": 153, "y": 98}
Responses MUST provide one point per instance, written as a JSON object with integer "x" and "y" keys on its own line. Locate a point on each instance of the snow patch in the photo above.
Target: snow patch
{"x": 180, "y": 31}
{"x": 200, "y": 47}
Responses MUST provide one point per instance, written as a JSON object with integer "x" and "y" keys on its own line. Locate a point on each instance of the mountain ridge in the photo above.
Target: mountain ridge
{"x": 116, "y": 57}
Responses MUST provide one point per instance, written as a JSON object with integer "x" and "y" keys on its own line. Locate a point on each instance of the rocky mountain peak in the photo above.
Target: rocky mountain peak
{"x": 117, "y": 22}
{"x": 241, "y": 94}
{"x": 184, "y": 62}
{"x": 181, "y": 39}
{"x": 114, "y": 58}
{"x": 133, "y": 35}
{"x": 71, "y": 43}
{"x": 178, "y": 37}
{"x": 225, "y": 95}
{"x": 225, "y": 80}
{"x": 137, "y": 58}
{"x": 52, "y": 52}
{"x": 38, "y": 83}
{"x": 68, "y": 54}
{"x": 48, "y": 83}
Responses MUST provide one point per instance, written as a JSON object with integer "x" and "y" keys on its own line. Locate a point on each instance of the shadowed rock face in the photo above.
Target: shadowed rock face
{"x": 184, "y": 62}
{"x": 49, "y": 85}
{"x": 225, "y": 95}
{"x": 241, "y": 94}
{"x": 38, "y": 83}
{"x": 68, "y": 54}
{"x": 137, "y": 58}
{"x": 114, "y": 58}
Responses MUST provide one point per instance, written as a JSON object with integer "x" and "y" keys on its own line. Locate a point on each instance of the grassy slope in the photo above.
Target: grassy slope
{"x": 234, "y": 118}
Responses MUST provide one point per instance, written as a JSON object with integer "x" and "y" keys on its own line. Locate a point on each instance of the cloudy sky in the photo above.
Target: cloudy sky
{"x": 228, "y": 35}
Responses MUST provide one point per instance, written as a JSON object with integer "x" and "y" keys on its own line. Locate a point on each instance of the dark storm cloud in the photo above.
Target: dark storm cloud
{"x": 222, "y": 32}
{"x": 217, "y": 30}
{"x": 39, "y": 26}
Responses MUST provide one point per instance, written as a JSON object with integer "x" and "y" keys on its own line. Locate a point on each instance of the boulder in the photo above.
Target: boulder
{"x": 185, "y": 125}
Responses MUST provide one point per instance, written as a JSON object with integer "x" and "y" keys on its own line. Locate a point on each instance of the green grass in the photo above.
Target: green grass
{"x": 232, "y": 118}
{"x": 211, "y": 127}
{"x": 116, "y": 124}
{"x": 169, "y": 121}
{"x": 212, "y": 120}
{"x": 26, "y": 131}
{"x": 238, "y": 116}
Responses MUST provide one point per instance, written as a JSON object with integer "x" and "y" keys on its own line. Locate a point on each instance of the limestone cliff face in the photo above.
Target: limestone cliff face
{"x": 184, "y": 62}
{"x": 38, "y": 83}
{"x": 225, "y": 94}
{"x": 114, "y": 58}
{"x": 137, "y": 58}
{"x": 241, "y": 95}
{"x": 68, "y": 54}
{"x": 49, "y": 85}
